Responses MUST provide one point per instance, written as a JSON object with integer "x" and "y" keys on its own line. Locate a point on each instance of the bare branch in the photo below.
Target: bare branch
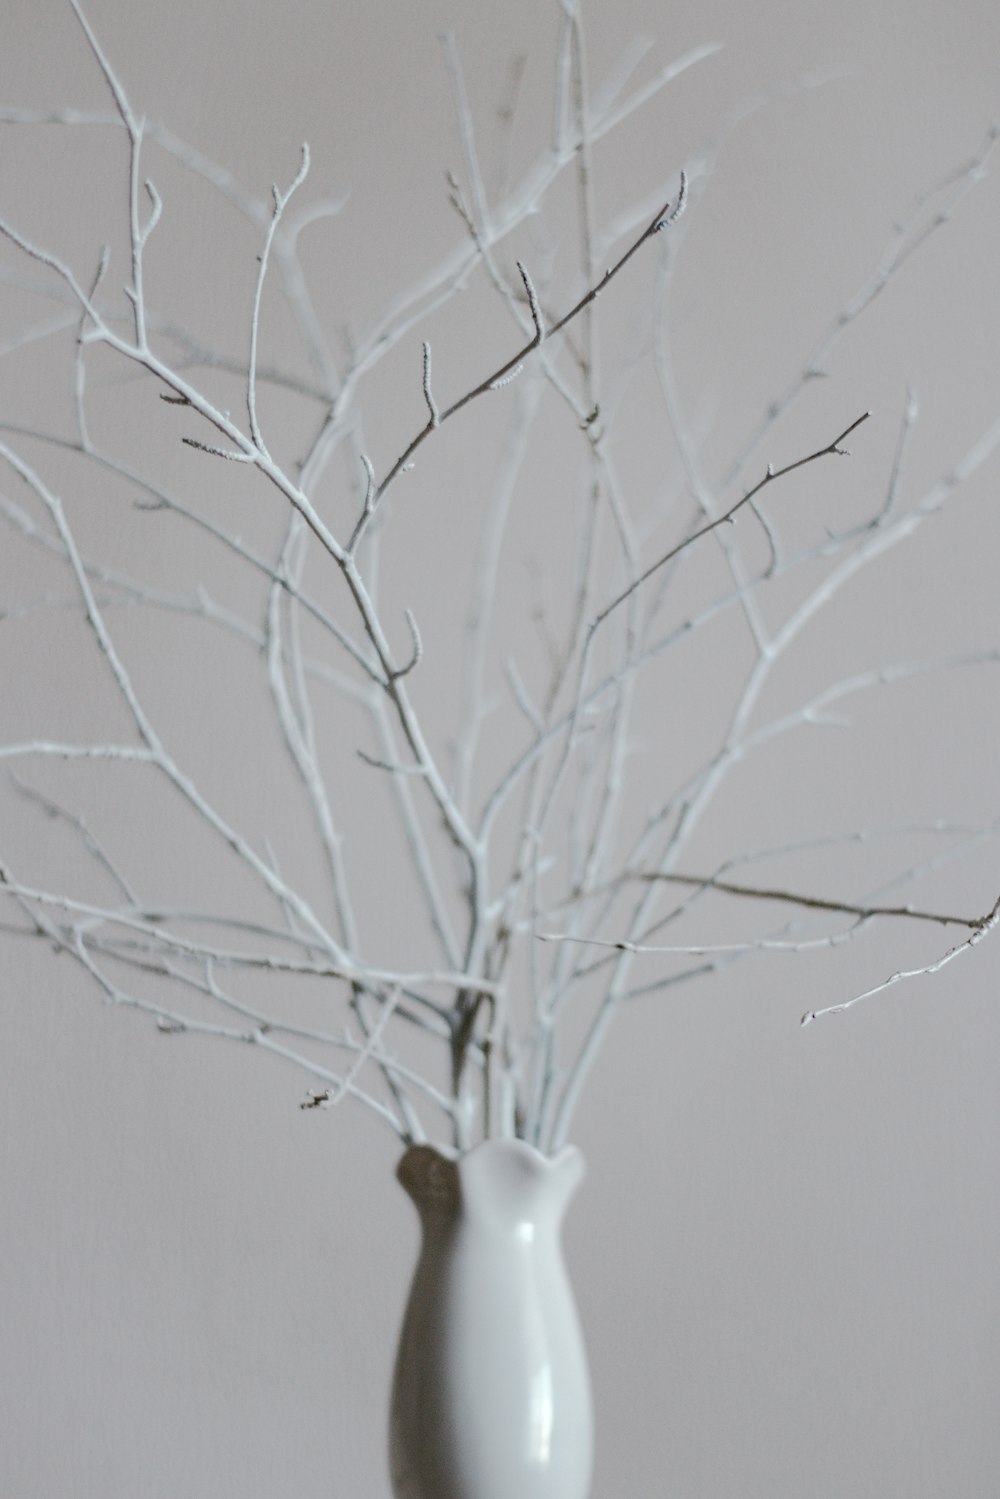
{"x": 536, "y": 311}
{"x": 417, "y": 652}
{"x": 491, "y": 381}
{"x": 214, "y": 452}
{"x": 280, "y": 203}
{"x": 813, "y": 902}
{"x": 428, "y": 396}
{"x": 526, "y": 832}
{"x": 769, "y": 478}
{"x": 982, "y": 929}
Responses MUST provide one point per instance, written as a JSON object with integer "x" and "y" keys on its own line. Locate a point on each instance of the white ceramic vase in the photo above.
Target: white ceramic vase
{"x": 491, "y": 1395}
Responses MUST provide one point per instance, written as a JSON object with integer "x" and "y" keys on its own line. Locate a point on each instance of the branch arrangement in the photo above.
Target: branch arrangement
{"x": 547, "y": 858}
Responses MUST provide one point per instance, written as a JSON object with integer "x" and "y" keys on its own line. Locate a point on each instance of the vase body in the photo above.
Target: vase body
{"x": 491, "y": 1395}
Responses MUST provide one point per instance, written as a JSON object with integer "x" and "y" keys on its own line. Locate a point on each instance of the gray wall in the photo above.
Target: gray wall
{"x": 785, "y": 1250}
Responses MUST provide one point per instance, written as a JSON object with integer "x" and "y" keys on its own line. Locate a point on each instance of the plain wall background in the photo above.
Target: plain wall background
{"x": 785, "y": 1253}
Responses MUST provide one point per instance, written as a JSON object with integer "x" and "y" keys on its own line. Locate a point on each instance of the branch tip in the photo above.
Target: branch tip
{"x": 533, "y": 303}
{"x": 435, "y": 414}
{"x": 671, "y": 215}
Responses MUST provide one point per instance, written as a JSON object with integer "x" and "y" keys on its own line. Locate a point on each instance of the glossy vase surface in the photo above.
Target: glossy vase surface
{"x": 491, "y": 1395}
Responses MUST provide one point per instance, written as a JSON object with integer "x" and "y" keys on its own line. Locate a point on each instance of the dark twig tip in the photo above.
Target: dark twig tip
{"x": 533, "y": 303}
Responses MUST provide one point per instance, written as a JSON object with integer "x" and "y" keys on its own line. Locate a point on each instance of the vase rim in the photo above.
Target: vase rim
{"x": 492, "y": 1146}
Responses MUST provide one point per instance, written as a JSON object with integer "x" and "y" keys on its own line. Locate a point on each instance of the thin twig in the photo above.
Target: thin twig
{"x": 811, "y": 902}
{"x": 661, "y": 219}
{"x": 982, "y": 929}
{"x": 769, "y": 478}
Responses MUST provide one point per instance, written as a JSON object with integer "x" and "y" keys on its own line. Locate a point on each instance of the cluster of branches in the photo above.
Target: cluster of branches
{"x": 541, "y": 894}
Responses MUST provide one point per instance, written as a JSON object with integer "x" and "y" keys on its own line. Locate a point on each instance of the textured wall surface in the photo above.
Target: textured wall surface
{"x": 785, "y": 1251}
